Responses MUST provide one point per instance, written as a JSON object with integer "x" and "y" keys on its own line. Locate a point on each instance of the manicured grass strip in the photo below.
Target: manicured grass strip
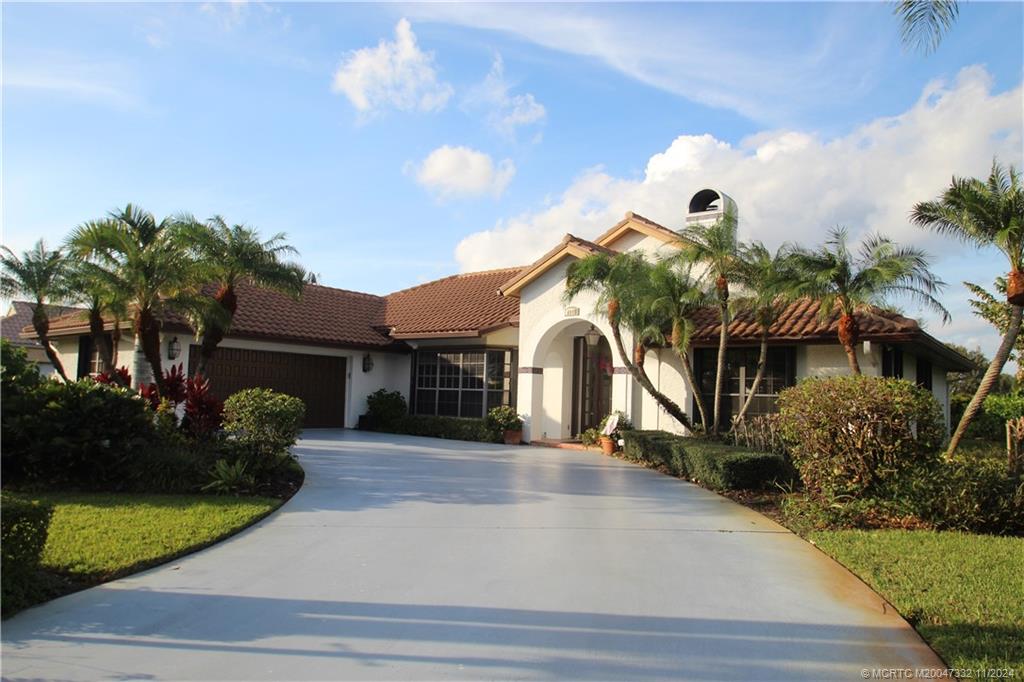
{"x": 94, "y": 537}
{"x": 964, "y": 593}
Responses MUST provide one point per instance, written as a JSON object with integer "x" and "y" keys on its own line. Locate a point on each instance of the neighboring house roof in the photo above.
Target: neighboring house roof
{"x": 461, "y": 305}
{"x": 20, "y": 317}
{"x": 801, "y": 322}
{"x": 571, "y": 246}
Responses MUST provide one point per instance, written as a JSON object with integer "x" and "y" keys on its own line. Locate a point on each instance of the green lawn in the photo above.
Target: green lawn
{"x": 94, "y": 537}
{"x": 964, "y": 593}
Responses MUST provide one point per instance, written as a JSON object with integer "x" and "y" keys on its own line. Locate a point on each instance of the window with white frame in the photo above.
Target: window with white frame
{"x": 462, "y": 383}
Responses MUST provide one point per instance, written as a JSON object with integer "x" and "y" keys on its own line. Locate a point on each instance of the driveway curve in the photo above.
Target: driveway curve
{"x": 408, "y": 558}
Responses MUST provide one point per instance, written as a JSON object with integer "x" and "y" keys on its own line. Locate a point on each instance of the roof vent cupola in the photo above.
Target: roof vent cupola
{"x": 709, "y": 205}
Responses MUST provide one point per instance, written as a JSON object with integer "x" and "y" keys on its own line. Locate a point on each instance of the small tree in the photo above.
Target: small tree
{"x": 715, "y": 248}
{"x": 623, "y": 296}
{"x": 227, "y": 255}
{"x": 849, "y": 283}
{"x": 40, "y": 274}
{"x": 985, "y": 214}
{"x": 770, "y": 283}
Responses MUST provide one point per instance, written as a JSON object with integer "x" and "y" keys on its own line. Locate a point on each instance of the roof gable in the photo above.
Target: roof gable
{"x": 570, "y": 247}
{"x": 636, "y": 223}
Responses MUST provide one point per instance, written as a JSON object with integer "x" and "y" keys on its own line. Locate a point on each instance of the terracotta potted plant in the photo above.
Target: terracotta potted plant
{"x": 505, "y": 421}
{"x": 611, "y": 426}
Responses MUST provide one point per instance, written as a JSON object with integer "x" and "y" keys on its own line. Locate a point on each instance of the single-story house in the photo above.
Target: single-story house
{"x": 19, "y": 316}
{"x": 460, "y": 345}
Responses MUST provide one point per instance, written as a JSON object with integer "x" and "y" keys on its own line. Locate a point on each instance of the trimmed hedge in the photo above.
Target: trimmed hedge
{"x": 726, "y": 467}
{"x": 23, "y": 529}
{"x": 714, "y": 465}
{"x": 452, "y": 428}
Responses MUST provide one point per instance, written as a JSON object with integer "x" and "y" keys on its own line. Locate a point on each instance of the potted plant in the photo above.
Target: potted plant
{"x": 611, "y": 426}
{"x": 504, "y": 420}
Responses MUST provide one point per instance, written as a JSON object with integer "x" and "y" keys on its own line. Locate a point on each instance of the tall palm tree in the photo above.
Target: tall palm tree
{"x": 228, "y": 255}
{"x": 769, "y": 284}
{"x": 678, "y": 297}
{"x": 923, "y": 23}
{"x": 40, "y": 274}
{"x": 715, "y": 248}
{"x": 147, "y": 262}
{"x": 852, "y": 283}
{"x": 90, "y": 285}
{"x": 984, "y": 213}
{"x": 620, "y": 282}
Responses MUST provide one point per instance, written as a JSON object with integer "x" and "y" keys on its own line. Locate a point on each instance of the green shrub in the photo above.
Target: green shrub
{"x": 974, "y": 494}
{"x": 851, "y": 435}
{"x": 452, "y": 428}
{"x": 231, "y": 479}
{"x": 804, "y": 514}
{"x": 726, "y": 467}
{"x": 713, "y": 464}
{"x": 385, "y": 407}
{"x": 23, "y": 528}
{"x": 624, "y": 424}
{"x": 656, "y": 448}
{"x": 17, "y": 374}
{"x": 75, "y": 436}
{"x": 504, "y": 418}
{"x": 264, "y": 419}
{"x": 986, "y": 425}
{"x": 590, "y": 437}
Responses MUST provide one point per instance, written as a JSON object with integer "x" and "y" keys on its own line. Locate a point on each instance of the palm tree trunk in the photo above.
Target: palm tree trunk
{"x": 140, "y": 367}
{"x": 995, "y": 368}
{"x": 848, "y": 332}
{"x": 214, "y": 333}
{"x": 147, "y": 335}
{"x": 723, "y": 342}
{"x": 115, "y": 341}
{"x": 762, "y": 360}
{"x": 100, "y": 340}
{"x": 41, "y": 323}
{"x": 641, "y": 378}
{"x": 691, "y": 386}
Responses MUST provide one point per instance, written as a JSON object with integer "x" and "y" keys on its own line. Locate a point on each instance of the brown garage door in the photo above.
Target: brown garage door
{"x": 319, "y": 380}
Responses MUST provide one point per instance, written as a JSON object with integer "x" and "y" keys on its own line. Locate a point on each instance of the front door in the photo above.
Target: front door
{"x": 592, "y": 370}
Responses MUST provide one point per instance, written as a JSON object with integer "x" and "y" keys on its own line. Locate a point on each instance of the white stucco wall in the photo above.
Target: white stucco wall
{"x": 828, "y": 360}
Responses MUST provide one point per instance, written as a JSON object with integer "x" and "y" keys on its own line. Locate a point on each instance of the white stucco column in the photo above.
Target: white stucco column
{"x": 529, "y": 401}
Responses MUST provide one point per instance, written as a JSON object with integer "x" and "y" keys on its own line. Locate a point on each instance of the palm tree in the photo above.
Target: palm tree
{"x": 984, "y": 214}
{"x": 678, "y": 297}
{"x": 623, "y": 295}
{"x": 228, "y": 255}
{"x": 769, "y": 285}
{"x": 923, "y": 23}
{"x": 40, "y": 274}
{"x": 89, "y": 284}
{"x": 715, "y": 248}
{"x": 842, "y": 281}
{"x": 147, "y": 262}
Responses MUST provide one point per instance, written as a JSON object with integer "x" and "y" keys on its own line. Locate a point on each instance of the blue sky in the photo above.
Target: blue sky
{"x": 398, "y": 143}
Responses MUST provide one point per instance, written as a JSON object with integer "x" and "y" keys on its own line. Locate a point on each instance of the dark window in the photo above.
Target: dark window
{"x": 924, "y": 372}
{"x": 892, "y": 362}
{"x": 462, "y": 383}
{"x": 740, "y": 370}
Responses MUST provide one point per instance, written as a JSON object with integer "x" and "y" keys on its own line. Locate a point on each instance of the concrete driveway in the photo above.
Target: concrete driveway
{"x": 417, "y": 559}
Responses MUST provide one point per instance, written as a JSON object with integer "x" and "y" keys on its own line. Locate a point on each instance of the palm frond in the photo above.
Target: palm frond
{"x": 923, "y": 23}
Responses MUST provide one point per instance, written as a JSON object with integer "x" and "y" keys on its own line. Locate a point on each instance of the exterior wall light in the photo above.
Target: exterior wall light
{"x": 367, "y": 362}
{"x": 592, "y": 336}
{"x": 173, "y": 349}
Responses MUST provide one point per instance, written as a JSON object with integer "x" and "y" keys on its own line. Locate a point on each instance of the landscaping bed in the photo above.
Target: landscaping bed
{"x": 96, "y": 537}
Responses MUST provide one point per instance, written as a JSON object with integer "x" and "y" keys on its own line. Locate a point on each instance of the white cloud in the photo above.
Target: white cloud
{"x": 452, "y": 172}
{"x": 396, "y": 74}
{"x": 792, "y": 185}
{"x": 230, "y": 14}
{"x": 505, "y": 111}
{"x": 106, "y": 84}
{"x": 703, "y": 54}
